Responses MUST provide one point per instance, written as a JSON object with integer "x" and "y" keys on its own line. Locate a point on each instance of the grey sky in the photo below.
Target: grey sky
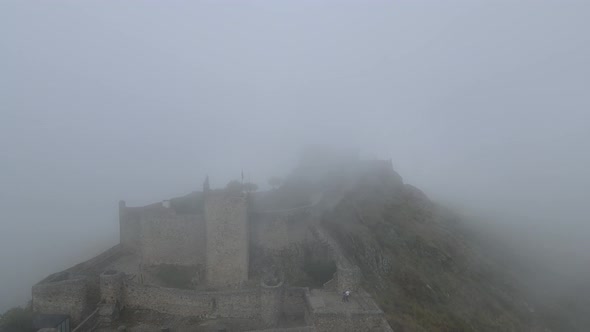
{"x": 481, "y": 103}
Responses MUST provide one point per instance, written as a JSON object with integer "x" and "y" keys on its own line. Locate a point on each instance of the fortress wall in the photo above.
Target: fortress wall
{"x": 65, "y": 296}
{"x": 271, "y": 298}
{"x": 75, "y": 291}
{"x": 173, "y": 239}
{"x": 189, "y": 303}
{"x": 348, "y": 322}
{"x": 160, "y": 235}
{"x": 362, "y": 314}
{"x": 227, "y": 239}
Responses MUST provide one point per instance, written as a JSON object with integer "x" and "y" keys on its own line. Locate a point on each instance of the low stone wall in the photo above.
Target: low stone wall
{"x": 74, "y": 291}
{"x": 289, "y": 329}
{"x": 271, "y": 297}
{"x": 230, "y": 304}
{"x": 351, "y": 322}
{"x": 328, "y": 313}
{"x": 72, "y": 296}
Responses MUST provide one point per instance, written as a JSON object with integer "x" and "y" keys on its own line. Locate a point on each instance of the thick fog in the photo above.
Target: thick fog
{"x": 485, "y": 105}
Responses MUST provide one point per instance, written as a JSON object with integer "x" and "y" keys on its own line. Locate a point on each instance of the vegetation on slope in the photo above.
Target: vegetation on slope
{"x": 423, "y": 270}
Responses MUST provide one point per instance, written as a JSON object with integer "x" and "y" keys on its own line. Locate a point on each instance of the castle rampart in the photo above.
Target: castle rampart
{"x": 243, "y": 303}
{"x": 159, "y": 235}
{"x": 65, "y": 294}
{"x": 216, "y": 230}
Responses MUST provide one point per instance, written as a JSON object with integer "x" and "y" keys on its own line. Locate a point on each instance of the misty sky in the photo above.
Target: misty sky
{"x": 484, "y": 104}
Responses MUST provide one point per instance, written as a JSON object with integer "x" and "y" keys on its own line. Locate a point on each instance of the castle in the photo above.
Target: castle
{"x": 241, "y": 258}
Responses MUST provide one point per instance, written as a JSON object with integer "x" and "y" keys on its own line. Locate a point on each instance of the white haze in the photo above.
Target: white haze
{"x": 482, "y": 104}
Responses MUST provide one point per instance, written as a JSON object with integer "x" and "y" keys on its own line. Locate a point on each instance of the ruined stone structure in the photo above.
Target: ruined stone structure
{"x": 214, "y": 234}
{"x": 161, "y": 235}
{"x": 66, "y": 294}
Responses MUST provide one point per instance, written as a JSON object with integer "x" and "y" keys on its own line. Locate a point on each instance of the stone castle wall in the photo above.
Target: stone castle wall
{"x": 351, "y": 322}
{"x": 362, "y": 315}
{"x": 221, "y": 235}
{"x": 160, "y": 235}
{"x": 75, "y": 296}
{"x": 227, "y": 239}
{"x": 271, "y": 298}
{"x": 74, "y": 291}
{"x": 264, "y": 304}
{"x": 226, "y": 304}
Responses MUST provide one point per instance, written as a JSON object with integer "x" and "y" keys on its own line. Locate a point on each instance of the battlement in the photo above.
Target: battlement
{"x": 215, "y": 232}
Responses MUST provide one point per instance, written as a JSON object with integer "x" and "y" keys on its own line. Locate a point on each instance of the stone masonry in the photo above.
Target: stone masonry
{"x": 227, "y": 250}
{"x": 217, "y": 237}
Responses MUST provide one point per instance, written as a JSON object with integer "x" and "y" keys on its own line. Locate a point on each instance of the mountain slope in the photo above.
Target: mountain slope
{"x": 419, "y": 263}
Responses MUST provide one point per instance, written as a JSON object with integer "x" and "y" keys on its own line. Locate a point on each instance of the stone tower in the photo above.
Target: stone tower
{"x": 227, "y": 254}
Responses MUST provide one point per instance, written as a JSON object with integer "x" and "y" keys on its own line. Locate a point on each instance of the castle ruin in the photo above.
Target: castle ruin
{"x": 240, "y": 262}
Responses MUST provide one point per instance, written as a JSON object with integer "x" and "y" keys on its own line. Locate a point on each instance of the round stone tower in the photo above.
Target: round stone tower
{"x": 270, "y": 303}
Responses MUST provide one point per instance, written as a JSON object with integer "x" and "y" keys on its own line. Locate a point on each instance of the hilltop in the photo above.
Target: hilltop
{"x": 423, "y": 263}
{"x": 242, "y": 260}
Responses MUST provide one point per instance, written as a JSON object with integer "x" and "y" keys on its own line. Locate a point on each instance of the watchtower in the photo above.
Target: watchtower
{"x": 227, "y": 243}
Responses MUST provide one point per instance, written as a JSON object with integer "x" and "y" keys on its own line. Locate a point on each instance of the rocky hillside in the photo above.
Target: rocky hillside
{"x": 426, "y": 271}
